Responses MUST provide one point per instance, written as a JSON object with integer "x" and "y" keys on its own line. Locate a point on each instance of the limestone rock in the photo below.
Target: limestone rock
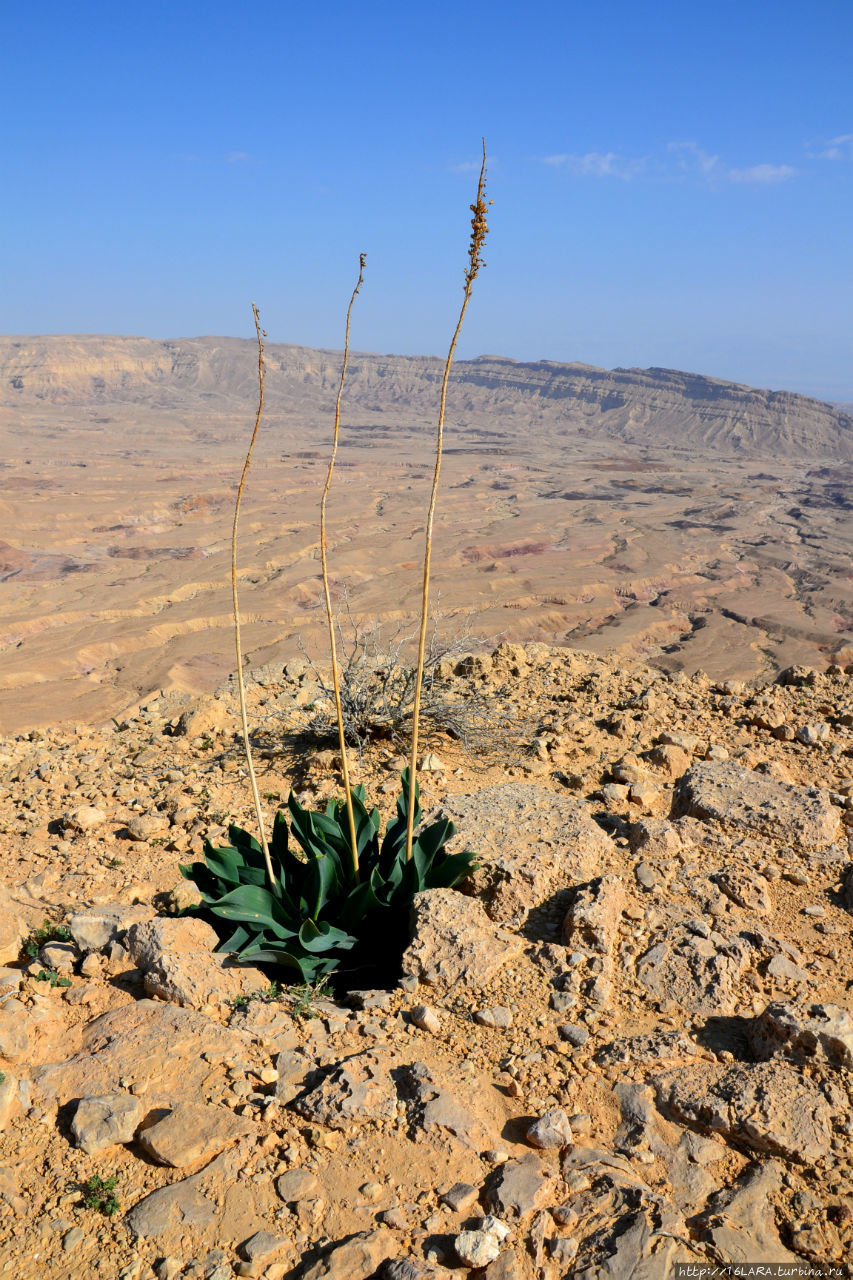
{"x": 804, "y": 1033}
{"x": 745, "y": 888}
{"x": 181, "y": 1204}
{"x": 10, "y": 1098}
{"x": 355, "y": 1259}
{"x": 208, "y": 716}
{"x": 592, "y": 921}
{"x": 360, "y": 1089}
{"x": 562, "y": 844}
{"x": 701, "y": 975}
{"x": 414, "y": 1269}
{"x": 292, "y": 1066}
{"x": 740, "y": 798}
{"x": 550, "y": 1131}
{"x": 11, "y": 929}
{"x": 263, "y": 1246}
{"x": 441, "y": 1110}
{"x": 158, "y": 1047}
{"x": 94, "y": 928}
{"x": 180, "y": 966}
{"x": 105, "y": 1121}
{"x": 148, "y": 826}
{"x": 84, "y": 818}
{"x": 520, "y": 1187}
{"x": 15, "y": 1026}
{"x": 297, "y": 1184}
{"x": 9, "y": 1190}
{"x": 740, "y": 1221}
{"x": 455, "y": 941}
{"x": 770, "y": 1108}
{"x": 656, "y": 838}
{"x": 192, "y": 1132}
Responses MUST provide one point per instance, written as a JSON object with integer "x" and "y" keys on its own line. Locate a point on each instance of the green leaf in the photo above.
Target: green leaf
{"x": 434, "y": 837}
{"x": 321, "y": 881}
{"x": 251, "y": 903}
{"x": 361, "y": 900}
{"x": 225, "y": 862}
{"x": 447, "y": 871}
{"x": 237, "y": 941}
{"x": 324, "y": 937}
{"x": 243, "y": 840}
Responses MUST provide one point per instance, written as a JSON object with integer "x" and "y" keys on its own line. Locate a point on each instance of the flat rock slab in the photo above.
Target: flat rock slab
{"x": 179, "y": 1205}
{"x": 440, "y": 1111}
{"x": 154, "y": 1045}
{"x": 741, "y": 1222}
{"x": 360, "y": 1089}
{"x": 530, "y": 842}
{"x": 355, "y": 1259}
{"x": 721, "y": 791}
{"x": 634, "y": 1249}
{"x": 520, "y": 1187}
{"x": 94, "y": 928}
{"x": 105, "y": 1121}
{"x": 192, "y": 1132}
{"x": 702, "y": 975}
{"x": 11, "y": 928}
{"x": 454, "y": 941}
{"x": 806, "y": 1032}
{"x": 769, "y": 1107}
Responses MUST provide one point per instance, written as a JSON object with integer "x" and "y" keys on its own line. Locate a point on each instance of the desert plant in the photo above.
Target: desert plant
{"x": 377, "y": 689}
{"x": 98, "y": 1194}
{"x": 320, "y": 911}
{"x": 53, "y": 977}
{"x": 49, "y": 932}
{"x": 347, "y": 895}
{"x": 336, "y": 684}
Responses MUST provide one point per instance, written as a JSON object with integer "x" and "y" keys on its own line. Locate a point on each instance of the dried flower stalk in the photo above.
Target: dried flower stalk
{"x": 479, "y": 230}
{"x": 241, "y": 688}
{"x": 336, "y": 680}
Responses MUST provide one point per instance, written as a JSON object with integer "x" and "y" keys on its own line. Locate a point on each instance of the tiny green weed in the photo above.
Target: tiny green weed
{"x": 98, "y": 1194}
{"x": 48, "y": 932}
{"x": 51, "y": 976}
{"x": 305, "y": 995}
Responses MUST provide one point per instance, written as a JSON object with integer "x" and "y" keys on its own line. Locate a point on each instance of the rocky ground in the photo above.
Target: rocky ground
{"x": 626, "y": 1043}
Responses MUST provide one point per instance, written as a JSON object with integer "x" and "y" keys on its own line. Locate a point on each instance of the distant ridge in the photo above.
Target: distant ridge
{"x": 647, "y": 408}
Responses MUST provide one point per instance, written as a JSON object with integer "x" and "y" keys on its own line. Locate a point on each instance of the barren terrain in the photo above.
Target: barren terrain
{"x": 649, "y": 513}
{"x": 626, "y": 1043}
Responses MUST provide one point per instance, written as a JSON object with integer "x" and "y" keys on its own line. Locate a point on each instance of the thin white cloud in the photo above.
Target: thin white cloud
{"x": 597, "y": 164}
{"x": 840, "y": 148}
{"x": 236, "y": 157}
{"x": 689, "y": 157}
{"x": 684, "y": 160}
{"x": 467, "y": 166}
{"x": 762, "y": 174}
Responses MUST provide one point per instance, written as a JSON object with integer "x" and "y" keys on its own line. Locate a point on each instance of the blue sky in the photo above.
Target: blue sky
{"x": 672, "y": 180}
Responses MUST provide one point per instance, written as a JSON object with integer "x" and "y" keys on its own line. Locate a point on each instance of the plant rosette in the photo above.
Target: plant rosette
{"x": 327, "y": 911}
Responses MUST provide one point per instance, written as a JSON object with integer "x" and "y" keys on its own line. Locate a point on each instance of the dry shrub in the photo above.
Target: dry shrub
{"x": 378, "y": 677}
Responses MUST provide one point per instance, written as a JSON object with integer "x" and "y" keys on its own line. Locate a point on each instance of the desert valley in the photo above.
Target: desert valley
{"x": 660, "y": 515}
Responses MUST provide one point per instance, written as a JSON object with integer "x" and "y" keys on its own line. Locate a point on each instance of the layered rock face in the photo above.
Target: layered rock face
{"x": 640, "y": 407}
